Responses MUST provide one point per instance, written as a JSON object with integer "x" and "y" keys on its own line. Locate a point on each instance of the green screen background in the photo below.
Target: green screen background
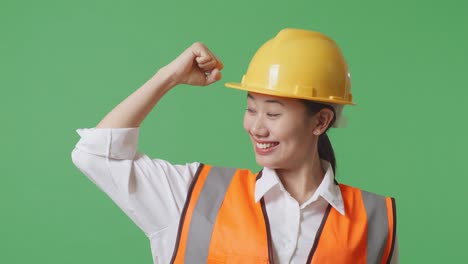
{"x": 65, "y": 64}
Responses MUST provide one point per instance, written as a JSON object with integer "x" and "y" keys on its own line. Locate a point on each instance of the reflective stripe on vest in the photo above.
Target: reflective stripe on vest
{"x": 221, "y": 223}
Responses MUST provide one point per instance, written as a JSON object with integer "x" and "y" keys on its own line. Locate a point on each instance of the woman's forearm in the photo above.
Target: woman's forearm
{"x": 133, "y": 110}
{"x": 197, "y": 65}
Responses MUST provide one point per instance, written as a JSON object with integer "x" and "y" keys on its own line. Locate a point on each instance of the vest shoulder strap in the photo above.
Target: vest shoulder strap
{"x": 204, "y": 199}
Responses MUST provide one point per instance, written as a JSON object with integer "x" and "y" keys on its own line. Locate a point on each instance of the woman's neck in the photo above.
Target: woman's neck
{"x": 302, "y": 182}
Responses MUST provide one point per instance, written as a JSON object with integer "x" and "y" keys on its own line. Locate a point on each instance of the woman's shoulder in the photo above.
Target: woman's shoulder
{"x": 227, "y": 168}
{"x": 352, "y": 190}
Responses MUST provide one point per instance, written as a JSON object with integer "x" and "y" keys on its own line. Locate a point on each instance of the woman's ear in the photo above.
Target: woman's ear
{"x": 324, "y": 118}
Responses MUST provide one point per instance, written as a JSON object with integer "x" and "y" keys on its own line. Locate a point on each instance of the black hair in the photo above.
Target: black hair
{"x": 325, "y": 149}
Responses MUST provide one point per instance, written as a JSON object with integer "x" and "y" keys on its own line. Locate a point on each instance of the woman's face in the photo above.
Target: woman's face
{"x": 281, "y": 131}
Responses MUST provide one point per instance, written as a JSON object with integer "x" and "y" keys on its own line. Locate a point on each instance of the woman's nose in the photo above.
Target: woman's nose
{"x": 258, "y": 128}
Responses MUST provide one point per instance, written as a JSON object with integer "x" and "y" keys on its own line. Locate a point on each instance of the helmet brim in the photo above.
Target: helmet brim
{"x": 275, "y": 92}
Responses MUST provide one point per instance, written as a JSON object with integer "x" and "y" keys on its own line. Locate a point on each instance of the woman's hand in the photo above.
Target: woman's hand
{"x": 197, "y": 65}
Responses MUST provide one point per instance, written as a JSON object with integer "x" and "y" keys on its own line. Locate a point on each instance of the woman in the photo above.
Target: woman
{"x": 292, "y": 211}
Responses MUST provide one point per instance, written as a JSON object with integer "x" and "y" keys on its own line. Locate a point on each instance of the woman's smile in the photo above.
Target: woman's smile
{"x": 265, "y": 147}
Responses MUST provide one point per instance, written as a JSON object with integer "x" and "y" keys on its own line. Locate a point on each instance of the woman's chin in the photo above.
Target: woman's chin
{"x": 265, "y": 162}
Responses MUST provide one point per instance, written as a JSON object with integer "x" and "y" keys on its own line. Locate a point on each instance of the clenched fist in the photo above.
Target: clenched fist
{"x": 197, "y": 65}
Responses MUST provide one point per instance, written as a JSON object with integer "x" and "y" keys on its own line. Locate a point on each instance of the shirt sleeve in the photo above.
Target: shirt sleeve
{"x": 151, "y": 192}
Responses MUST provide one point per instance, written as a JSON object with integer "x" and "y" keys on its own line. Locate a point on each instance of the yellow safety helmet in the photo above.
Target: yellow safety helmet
{"x": 299, "y": 64}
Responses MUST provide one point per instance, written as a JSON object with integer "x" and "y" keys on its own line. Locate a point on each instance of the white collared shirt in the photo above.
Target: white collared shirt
{"x": 152, "y": 193}
{"x": 293, "y": 225}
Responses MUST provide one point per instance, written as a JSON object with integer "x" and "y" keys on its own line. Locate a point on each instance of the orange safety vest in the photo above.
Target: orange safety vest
{"x": 221, "y": 223}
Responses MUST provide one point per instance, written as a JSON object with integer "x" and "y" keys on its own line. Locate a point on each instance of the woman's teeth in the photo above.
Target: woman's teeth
{"x": 266, "y": 145}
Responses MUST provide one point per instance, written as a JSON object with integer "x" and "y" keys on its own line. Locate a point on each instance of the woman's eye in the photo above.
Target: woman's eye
{"x": 273, "y": 115}
{"x": 251, "y": 111}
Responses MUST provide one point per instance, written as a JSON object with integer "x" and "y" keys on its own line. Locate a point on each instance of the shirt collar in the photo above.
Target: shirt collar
{"x": 327, "y": 189}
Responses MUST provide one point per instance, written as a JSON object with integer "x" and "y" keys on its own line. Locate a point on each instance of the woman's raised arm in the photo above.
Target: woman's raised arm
{"x": 197, "y": 65}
